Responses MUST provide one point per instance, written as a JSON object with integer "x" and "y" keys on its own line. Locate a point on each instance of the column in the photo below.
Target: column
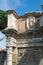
{"x": 9, "y": 56}
{"x": 9, "y": 50}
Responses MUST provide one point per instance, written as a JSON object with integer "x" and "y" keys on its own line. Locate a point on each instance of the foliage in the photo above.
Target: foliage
{"x": 3, "y": 19}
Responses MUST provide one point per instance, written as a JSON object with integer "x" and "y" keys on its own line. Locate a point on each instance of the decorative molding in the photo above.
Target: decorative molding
{"x": 33, "y": 40}
{"x": 10, "y": 42}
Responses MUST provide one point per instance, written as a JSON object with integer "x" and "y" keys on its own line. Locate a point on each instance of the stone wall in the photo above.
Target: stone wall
{"x": 30, "y": 56}
{"x": 21, "y": 24}
{"x": 25, "y": 56}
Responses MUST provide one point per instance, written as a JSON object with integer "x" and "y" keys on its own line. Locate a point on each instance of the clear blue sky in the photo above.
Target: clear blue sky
{"x": 20, "y": 6}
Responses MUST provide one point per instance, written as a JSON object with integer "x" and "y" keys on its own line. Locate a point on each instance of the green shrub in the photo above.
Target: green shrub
{"x": 3, "y": 19}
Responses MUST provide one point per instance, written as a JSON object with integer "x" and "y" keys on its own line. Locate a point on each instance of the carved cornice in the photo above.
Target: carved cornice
{"x": 14, "y": 33}
{"x": 36, "y": 14}
{"x": 9, "y": 31}
{"x": 14, "y": 13}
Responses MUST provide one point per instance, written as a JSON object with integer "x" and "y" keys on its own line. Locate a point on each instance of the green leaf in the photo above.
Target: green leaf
{"x": 3, "y": 19}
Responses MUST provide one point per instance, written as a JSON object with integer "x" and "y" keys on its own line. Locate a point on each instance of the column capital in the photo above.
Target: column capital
{"x": 9, "y": 41}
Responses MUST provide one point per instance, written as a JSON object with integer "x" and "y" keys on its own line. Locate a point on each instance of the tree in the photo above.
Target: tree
{"x": 3, "y": 19}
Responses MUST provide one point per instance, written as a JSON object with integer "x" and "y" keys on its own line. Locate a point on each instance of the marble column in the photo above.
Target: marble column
{"x": 9, "y": 48}
{"x": 9, "y": 56}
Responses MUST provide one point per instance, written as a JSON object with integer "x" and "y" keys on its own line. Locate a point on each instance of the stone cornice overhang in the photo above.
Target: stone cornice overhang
{"x": 12, "y": 32}
{"x": 36, "y": 14}
{"x": 28, "y": 32}
{"x": 9, "y": 32}
{"x": 14, "y": 13}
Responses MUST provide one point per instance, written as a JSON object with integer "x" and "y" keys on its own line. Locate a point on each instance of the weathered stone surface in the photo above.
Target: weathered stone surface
{"x": 32, "y": 56}
{"x": 24, "y": 45}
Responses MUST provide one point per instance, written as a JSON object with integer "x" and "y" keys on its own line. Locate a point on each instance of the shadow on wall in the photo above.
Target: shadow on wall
{"x": 32, "y": 56}
{"x": 27, "y": 56}
{"x": 3, "y": 57}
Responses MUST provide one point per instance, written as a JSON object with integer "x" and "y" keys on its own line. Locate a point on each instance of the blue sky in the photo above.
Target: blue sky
{"x": 20, "y": 6}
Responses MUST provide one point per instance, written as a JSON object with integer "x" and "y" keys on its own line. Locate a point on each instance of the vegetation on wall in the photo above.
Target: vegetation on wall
{"x": 3, "y": 19}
